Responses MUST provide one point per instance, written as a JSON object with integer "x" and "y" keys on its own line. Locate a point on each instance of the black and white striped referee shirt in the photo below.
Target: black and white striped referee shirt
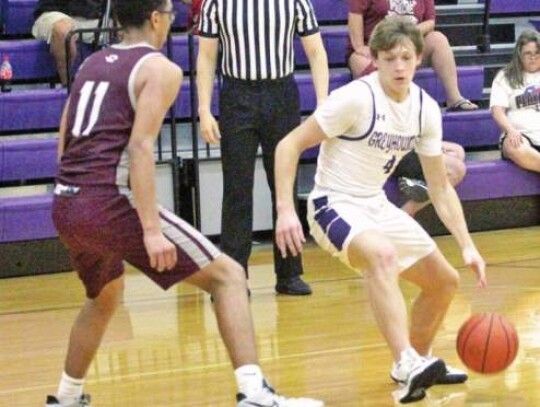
{"x": 256, "y": 36}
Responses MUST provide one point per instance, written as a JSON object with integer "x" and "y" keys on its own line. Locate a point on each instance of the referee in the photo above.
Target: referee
{"x": 258, "y": 105}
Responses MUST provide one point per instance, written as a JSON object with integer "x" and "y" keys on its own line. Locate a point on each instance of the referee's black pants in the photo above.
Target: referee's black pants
{"x": 253, "y": 113}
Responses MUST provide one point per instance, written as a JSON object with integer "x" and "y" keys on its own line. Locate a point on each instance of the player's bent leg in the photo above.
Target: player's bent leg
{"x": 86, "y": 335}
{"x": 90, "y": 326}
{"x": 373, "y": 253}
{"x": 225, "y": 280}
{"x": 438, "y": 282}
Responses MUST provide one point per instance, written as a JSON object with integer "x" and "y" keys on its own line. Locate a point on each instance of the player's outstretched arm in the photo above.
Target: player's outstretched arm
{"x": 449, "y": 209}
{"x": 289, "y": 233}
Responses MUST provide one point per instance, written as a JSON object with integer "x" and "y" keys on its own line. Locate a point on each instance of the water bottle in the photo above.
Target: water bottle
{"x": 6, "y": 74}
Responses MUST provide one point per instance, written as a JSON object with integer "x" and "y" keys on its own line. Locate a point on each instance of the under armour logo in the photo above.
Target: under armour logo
{"x": 111, "y": 58}
{"x": 380, "y": 117}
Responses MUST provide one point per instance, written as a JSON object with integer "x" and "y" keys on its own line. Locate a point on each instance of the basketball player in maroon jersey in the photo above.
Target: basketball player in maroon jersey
{"x": 106, "y": 212}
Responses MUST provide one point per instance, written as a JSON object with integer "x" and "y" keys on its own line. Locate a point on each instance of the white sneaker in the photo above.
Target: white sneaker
{"x": 267, "y": 397}
{"x": 416, "y": 375}
{"x": 84, "y": 401}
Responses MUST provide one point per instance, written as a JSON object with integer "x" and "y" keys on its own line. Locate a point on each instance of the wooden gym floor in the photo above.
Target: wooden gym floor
{"x": 163, "y": 348}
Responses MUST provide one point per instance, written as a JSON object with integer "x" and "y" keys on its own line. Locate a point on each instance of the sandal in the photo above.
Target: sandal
{"x": 462, "y": 105}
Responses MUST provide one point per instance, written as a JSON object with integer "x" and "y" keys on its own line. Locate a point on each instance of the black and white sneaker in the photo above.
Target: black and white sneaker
{"x": 452, "y": 376}
{"x": 413, "y": 189}
{"x": 84, "y": 401}
{"x": 267, "y": 397}
{"x": 415, "y": 375}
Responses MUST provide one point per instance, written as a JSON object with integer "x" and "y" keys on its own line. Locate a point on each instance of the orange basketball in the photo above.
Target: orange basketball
{"x": 487, "y": 343}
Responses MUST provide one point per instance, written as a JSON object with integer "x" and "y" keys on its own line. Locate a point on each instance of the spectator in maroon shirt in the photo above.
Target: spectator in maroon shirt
{"x": 365, "y": 14}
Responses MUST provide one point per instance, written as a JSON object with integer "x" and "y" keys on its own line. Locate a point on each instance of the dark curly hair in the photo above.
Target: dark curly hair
{"x": 134, "y": 13}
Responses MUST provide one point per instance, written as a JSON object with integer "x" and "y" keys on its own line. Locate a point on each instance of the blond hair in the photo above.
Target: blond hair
{"x": 392, "y": 31}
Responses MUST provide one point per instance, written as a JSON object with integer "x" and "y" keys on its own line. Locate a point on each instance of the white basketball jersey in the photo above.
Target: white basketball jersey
{"x": 368, "y": 134}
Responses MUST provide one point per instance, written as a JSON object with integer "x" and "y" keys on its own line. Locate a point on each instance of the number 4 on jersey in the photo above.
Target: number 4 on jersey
{"x": 389, "y": 166}
{"x": 81, "y": 116}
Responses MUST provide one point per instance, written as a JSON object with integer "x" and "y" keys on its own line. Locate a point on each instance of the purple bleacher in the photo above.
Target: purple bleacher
{"x": 514, "y": 6}
{"x": 26, "y": 159}
{"x": 30, "y": 59}
{"x": 331, "y": 11}
{"x": 182, "y": 12}
{"x": 26, "y": 218}
{"x": 308, "y": 100}
{"x": 470, "y": 82}
{"x": 18, "y": 16}
{"x": 335, "y": 42}
{"x": 471, "y": 129}
{"x": 31, "y": 109}
{"x": 180, "y": 51}
{"x": 497, "y": 179}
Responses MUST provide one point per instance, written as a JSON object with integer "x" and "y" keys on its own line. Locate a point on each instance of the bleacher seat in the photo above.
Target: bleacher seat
{"x": 26, "y": 218}
{"x": 514, "y": 6}
{"x": 471, "y": 129}
{"x": 30, "y": 59}
{"x": 31, "y": 110}
{"x": 27, "y": 159}
{"x": 494, "y": 179}
{"x": 331, "y": 11}
{"x": 18, "y": 16}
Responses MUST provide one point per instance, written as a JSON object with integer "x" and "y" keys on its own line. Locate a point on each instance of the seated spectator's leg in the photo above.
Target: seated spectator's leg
{"x": 454, "y": 158}
{"x": 524, "y": 155}
{"x": 59, "y": 33}
{"x": 438, "y": 54}
{"x": 360, "y": 65}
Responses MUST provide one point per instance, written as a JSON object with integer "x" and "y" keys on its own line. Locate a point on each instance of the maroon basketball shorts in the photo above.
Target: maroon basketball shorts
{"x": 101, "y": 229}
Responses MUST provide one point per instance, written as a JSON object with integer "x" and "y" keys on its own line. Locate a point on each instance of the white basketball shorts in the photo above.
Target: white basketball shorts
{"x": 335, "y": 219}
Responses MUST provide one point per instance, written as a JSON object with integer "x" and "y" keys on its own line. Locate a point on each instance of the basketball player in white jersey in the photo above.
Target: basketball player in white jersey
{"x": 365, "y": 128}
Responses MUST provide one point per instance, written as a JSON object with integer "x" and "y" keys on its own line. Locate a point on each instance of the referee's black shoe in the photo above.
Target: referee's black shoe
{"x": 293, "y": 286}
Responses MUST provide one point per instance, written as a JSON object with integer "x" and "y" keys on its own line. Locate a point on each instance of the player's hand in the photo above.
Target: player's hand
{"x": 472, "y": 258}
{"x": 161, "y": 251}
{"x": 289, "y": 233}
{"x": 209, "y": 128}
{"x": 514, "y": 138}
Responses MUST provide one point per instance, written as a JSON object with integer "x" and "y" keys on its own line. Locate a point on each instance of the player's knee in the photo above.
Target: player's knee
{"x": 448, "y": 283}
{"x": 229, "y": 273}
{"x": 383, "y": 262}
{"x": 110, "y": 296}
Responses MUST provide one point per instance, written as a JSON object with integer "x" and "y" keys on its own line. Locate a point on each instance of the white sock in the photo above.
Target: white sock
{"x": 249, "y": 379}
{"x": 70, "y": 389}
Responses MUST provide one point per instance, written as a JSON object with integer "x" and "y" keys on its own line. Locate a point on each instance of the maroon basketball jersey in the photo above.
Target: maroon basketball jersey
{"x": 100, "y": 118}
